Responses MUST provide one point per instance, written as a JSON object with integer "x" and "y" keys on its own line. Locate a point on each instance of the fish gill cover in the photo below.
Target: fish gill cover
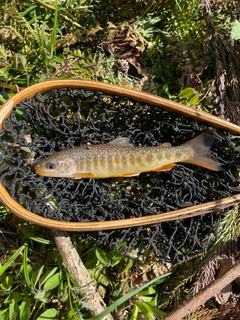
{"x": 66, "y": 118}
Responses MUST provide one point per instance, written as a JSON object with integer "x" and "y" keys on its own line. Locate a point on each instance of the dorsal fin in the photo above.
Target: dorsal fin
{"x": 165, "y": 145}
{"x": 124, "y": 141}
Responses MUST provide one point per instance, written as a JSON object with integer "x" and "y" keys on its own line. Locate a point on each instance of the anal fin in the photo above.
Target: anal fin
{"x": 164, "y": 168}
{"x": 130, "y": 174}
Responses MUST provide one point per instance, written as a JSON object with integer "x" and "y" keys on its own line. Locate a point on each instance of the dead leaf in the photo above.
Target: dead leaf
{"x": 95, "y": 29}
{"x": 127, "y": 45}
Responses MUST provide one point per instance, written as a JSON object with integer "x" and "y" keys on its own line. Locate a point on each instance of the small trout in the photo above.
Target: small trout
{"x": 119, "y": 158}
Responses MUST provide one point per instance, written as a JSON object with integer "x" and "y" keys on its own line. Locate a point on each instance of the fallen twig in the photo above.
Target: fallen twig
{"x": 204, "y": 295}
{"x": 73, "y": 263}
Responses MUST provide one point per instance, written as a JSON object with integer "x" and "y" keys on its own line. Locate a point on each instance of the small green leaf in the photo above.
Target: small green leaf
{"x": 149, "y": 299}
{"x": 147, "y": 309}
{"x": 42, "y": 296}
{"x": 4, "y": 75}
{"x": 194, "y": 100}
{"x": 21, "y": 114}
{"x": 13, "y": 310}
{"x": 29, "y": 9}
{"x": 102, "y": 257}
{"x": 155, "y": 310}
{"x": 128, "y": 266}
{"x": 11, "y": 259}
{"x": 52, "y": 283}
{"x": 186, "y": 93}
{"x": 4, "y": 314}
{"x": 36, "y": 276}
{"x": 134, "y": 312}
{"x": 47, "y": 275}
{"x": 48, "y": 314}
{"x": 26, "y": 149}
{"x": 148, "y": 291}
{"x": 25, "y": 309}
{"x": 64, "y": 295}
{"x": 28, "y": 234}
{"x": 27, "y": 269}
{"x": 72, "y": 316}
{"x": 58, "y": 59}
{"x": 235, "y": 32}
{"x": 18, "y": 296}
{"x": 144, "y": 309}
{"x": 7, "y": 283}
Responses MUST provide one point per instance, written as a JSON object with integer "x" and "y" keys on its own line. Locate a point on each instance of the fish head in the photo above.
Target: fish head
{"x": 59, "y": 165}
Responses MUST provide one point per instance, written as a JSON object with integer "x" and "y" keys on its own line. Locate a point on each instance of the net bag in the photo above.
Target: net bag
{"x": 68, "y": 117}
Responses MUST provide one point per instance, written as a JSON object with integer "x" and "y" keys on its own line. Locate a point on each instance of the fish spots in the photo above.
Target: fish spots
{"x": 183, "y": 152}
{"x": 132, "y": 159}
{"x": 178, "y": 154}
{"x": 102, "y": 161}
{"x": 160, "y": 155}
{"x": 149, "y": 157}
{"x": 109, "y": 161}
{"x": 95, "y": 162}
{"x": 117, "y": 158}
{"x": 124, "y": 160}
{"x": 167, "y": 154}
{"x": 80, "y": 164}
{"x": 139, "y": 159}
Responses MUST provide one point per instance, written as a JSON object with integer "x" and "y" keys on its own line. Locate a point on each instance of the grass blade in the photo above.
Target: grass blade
{"x": 54, "y": 30}
{"x": 25, "y": 270}
{"x": 129, "y": 295}
{"x": 12, "y": 259}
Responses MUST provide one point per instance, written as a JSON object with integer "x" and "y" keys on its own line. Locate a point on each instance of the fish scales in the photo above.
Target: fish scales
{"x": 118, "y": 160}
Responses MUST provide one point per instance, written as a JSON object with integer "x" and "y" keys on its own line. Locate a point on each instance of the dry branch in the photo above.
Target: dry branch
{"x": 74, "y": 265}
{"x": 204, "y": 295}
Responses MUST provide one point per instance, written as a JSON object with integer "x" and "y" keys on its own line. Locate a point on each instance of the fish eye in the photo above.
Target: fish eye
{"x": 50, "y": 165}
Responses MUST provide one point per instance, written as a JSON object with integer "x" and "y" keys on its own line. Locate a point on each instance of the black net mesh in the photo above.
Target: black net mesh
{"x": 67, "y": 118}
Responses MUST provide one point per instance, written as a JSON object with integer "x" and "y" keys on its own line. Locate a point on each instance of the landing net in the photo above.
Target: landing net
{"x": 66, "y": 118}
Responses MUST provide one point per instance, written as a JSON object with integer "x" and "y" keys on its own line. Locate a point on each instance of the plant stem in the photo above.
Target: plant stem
{"x": 60, "y": 14}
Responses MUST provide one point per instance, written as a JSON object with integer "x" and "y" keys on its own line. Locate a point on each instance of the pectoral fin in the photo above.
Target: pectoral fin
{"x": 83, "y": 175}
{"x": 165, "y": 168}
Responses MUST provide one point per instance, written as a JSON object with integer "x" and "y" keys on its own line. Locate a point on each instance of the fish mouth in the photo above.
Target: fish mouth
{"x": 40, "y": 171}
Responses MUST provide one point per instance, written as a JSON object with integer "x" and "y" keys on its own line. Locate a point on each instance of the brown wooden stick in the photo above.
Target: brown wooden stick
{"x": 74, "y": 265}
{"x": 204, "y": 295}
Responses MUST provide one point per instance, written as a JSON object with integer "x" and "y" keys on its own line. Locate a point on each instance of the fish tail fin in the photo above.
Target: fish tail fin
{"x": 201, "y": 146}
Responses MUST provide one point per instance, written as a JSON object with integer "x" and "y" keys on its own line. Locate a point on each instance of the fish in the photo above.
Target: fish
{"x": 120, "y": 158}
